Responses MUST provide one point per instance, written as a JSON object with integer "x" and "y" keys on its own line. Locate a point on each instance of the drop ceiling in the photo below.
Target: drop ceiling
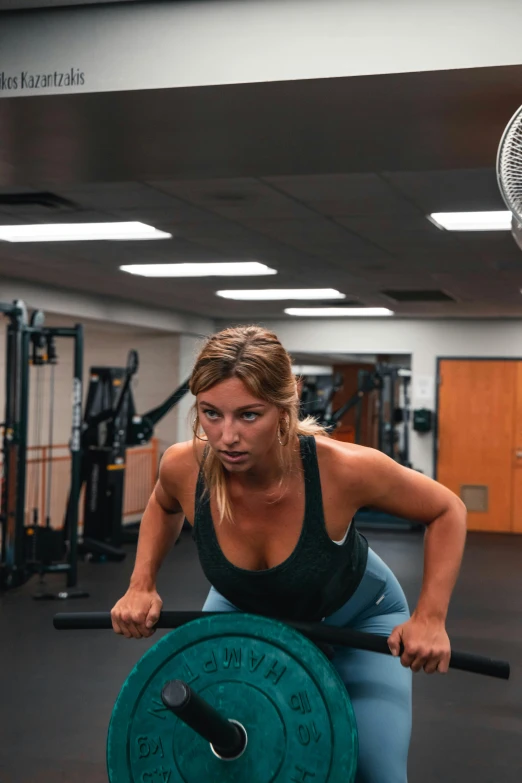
{"x": 327, "y": 181}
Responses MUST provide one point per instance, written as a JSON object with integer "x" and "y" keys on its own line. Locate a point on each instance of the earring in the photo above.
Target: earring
{"x": 280, "y": 432}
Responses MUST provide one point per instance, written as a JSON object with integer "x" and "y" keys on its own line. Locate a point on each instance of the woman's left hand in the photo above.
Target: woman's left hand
{"x": 426, "y": 644}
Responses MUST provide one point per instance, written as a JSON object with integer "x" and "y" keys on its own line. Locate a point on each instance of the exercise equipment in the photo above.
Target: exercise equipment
{"x": 44, "y": 544}
{"x": 320, "y": 633}
{"x": 35, "y": 548}
{"x": 239, "y": 697}
{"x": 292, "y": 717}
{"x": 391, "y": 385}
{"x": 110, "y": 426}
{"x": 317, "y": 393}
{"x": 509, "y": 172}
{"x": 387, "y": 387}
{"x": 227, "y": 737}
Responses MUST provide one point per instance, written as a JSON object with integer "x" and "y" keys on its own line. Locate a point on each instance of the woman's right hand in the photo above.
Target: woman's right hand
{"x": 135, "y": 615}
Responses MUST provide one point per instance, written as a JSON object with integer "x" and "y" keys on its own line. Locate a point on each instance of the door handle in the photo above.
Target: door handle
{"x": 518, "y": 454}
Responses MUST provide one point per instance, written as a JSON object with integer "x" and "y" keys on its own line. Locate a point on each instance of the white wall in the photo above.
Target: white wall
{"x": 424, "y": 340}
{"x": 189, "y": 347}
{"x": 158, "y": 45}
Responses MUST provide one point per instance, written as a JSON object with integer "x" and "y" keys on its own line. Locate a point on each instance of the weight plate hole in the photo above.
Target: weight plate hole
{"x": 243, "y": 748}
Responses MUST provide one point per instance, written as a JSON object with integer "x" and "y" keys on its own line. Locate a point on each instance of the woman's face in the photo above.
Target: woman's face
{"x": 241, "y": 429}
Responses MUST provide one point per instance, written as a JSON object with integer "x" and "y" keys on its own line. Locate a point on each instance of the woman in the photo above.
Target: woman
{"x": 271, "y": 500}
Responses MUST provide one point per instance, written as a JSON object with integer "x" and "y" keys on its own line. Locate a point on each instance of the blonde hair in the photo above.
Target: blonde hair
{"x": 256, "y": 357}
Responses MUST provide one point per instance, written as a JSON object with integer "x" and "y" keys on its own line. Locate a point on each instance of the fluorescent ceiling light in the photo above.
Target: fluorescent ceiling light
{"x": 472, "y": 221}
{"x": 337, "y": 311}
{"x": 72, "y": 232}
{"x": 282, "y": 293}
{"x": 311, "y": 369}
{"x": 226, "y": 269}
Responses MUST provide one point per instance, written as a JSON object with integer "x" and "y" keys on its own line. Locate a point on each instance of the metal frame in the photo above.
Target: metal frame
{"x": 14, "y": 570}
{"x": 104, "y": 460}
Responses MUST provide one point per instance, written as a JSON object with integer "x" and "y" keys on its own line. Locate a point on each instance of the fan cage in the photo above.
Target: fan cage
{"x": 509, "y": 165}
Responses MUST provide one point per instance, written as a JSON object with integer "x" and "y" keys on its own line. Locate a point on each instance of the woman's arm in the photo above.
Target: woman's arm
{"x": 390, "y": 487}
{"x": 160, "y": 527}
{"x": 137, "y": 612}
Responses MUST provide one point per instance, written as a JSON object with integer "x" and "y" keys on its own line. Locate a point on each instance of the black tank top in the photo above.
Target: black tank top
{"x": 313, "y": 582}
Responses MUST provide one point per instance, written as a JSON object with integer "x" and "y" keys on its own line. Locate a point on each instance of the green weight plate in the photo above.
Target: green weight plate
{"x": 263, "y": 674}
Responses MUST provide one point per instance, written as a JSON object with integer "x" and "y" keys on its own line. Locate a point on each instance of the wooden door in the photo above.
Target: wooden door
{"x": 478, "y": 411}
{"x": 516, "y": 505}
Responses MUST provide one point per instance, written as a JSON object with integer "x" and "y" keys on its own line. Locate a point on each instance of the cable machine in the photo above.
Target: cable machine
{"x": 36, "y": 548}
{"x": 111, "y": 426}
{"x": 391, "y": 384}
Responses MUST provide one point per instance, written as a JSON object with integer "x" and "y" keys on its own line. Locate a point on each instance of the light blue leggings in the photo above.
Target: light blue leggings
{"x": 378, "y": 685}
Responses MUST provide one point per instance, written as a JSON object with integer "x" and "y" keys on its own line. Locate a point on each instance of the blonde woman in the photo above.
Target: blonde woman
{"x": 271, "y": 500}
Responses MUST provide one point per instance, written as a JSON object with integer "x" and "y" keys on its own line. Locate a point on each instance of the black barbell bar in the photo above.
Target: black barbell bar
{"x": 227, "y": 738}
{"x": 317, "y": 632}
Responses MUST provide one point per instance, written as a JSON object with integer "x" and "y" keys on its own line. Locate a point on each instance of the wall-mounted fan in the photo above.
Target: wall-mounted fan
{"x": 509, "y": 172}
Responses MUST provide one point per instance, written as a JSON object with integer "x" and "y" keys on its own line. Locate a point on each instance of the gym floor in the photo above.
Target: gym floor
{"x": 58, "y": 688}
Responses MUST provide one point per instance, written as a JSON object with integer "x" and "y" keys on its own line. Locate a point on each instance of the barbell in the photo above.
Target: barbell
{"x": 238, "y": 697}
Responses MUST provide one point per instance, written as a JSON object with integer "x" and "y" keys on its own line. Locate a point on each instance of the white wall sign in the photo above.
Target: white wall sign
{"x": 424, "y": 389}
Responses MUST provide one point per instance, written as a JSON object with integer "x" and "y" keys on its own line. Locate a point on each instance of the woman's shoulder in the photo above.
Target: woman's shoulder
{"x": 335, "y": 450}
{"x": 341, "y": 460}
{"x": 180, "y": 462}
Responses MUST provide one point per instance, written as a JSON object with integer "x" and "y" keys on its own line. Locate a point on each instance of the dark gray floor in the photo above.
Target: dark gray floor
{"x": 58, "y": 688}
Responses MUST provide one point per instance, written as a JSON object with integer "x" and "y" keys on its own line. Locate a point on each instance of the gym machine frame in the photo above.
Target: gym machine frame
{"x": 377, "y": 380}
{"x": 14, "y": 566}
{"x": 383, "y": 380}
{"x": 111, "y": 426}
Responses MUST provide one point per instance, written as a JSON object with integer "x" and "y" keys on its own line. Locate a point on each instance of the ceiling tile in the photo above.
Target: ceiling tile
{"x": 449, "y": 191}
{"x": 164, "y": 217}
{"x": 345, "y": 194}
{"x": 399, "y": 234}
{"x": 388, "y": 243}
{"x": 316, "y": 237}
{"x": 238, "y": 199}
{"x": 10, "y": 220}
{"x": 121, "y": 195}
